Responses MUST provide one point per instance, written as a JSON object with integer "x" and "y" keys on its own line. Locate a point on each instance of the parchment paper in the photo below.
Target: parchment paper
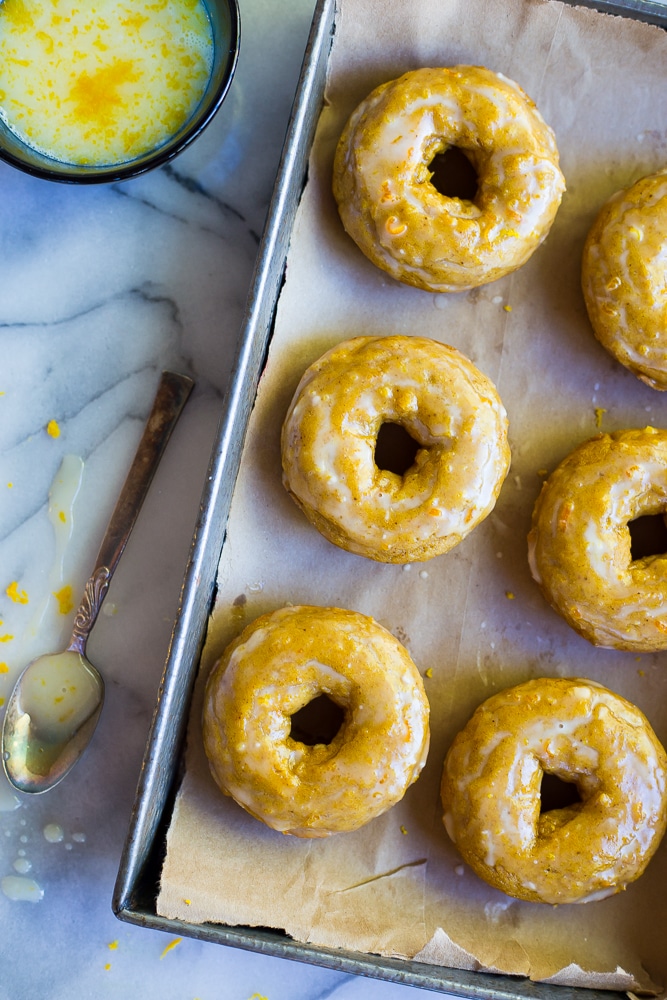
{"x": 473, "y": 620}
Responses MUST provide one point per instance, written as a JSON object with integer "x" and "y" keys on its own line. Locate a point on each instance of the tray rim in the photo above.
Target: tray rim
{"x": 650, "y": 11}
{"x": 159, "y": 775}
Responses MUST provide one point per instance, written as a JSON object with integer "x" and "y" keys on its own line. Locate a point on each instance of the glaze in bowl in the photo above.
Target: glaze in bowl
{"x": 225, "y": 23}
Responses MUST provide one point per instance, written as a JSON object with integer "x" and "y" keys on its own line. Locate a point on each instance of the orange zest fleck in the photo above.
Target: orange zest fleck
{"x": 97, "y": 97}
{"x": 48, "y": 41}
{"x": 386, "y": 192}
{"x": 18, "y": 12}
{"x": 16, "y": 595}
{"x": 172, "y": 944}
{"x": 564, "y": 516}
{"x": 133, "y": 21}
{"x": 64, "y": 599}
{"x": 394, "y": 226}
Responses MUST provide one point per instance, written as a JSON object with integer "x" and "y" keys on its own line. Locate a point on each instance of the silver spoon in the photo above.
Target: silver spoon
{"x": 56, "y": 702}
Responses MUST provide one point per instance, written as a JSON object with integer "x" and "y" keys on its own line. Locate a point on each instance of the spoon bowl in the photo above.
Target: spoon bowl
{"x": 55, "y": 705}
{"x": 51, "y": 720}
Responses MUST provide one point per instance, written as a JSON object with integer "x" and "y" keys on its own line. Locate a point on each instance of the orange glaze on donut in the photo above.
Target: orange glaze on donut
{"x": 624, "y": 278}
{"x": 584, "y": 734}
{"x": 390, "y": 208}
{"x": 279, "y": 664}
{"x": 445, "y": 403}
{"x": 579, "y": 545}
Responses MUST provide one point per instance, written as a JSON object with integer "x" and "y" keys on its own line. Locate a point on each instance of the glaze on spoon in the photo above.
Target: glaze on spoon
{"x": 53, "y": 710}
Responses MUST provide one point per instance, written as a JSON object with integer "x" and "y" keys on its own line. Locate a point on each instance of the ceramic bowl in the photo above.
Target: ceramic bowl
{"x": 225, "y": 22}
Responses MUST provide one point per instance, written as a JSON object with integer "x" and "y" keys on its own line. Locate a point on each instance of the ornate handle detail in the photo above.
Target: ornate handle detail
{"x": 94, "y": 593}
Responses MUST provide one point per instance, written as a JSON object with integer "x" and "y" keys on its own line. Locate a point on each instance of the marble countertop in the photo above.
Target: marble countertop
{"x": 102, "y": 287}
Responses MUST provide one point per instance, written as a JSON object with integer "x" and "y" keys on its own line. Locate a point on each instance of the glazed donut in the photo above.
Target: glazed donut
{"x": 279, "y": 664}
{"x": 579, "y": 545}
{"x": 584, "y": 734}
{"x": 447, "y": 406}
{"x": 381, "y": 177}
{"x": 624, "y": 277}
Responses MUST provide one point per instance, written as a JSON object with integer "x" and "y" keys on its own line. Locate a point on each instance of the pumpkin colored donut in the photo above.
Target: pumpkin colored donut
{"x": 584, "y": 734}
{"x": 329, "y": 437}
{"x": 579, "y": 545}
{"x": 279, "y": 664}
{"x": 397, "y": 217}
{"x": 624, "y": 278}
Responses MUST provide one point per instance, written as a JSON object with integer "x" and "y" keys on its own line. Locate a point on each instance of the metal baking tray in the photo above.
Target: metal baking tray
{"x": 137, "y": 884}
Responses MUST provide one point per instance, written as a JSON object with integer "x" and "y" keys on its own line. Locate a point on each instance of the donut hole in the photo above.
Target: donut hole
{"x": 395, "y": 449}
{"x": 454, "y": 175}
{"x": 318, "y": 722}
{"x": 555, "y": 793}
{"x": 648, "y": 536}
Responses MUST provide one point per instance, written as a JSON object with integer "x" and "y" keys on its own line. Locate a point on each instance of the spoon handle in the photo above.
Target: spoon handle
{"x": 172, "y": 394}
